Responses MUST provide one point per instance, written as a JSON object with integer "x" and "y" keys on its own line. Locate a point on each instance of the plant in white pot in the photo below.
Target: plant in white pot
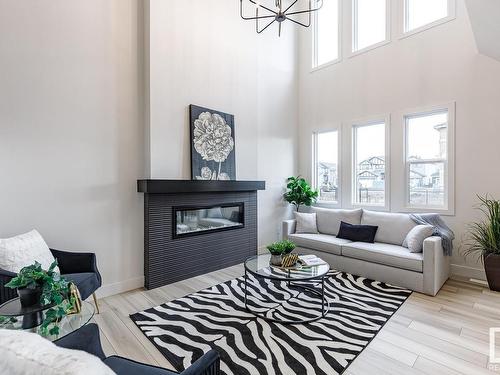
{"x": 484, "y": 240}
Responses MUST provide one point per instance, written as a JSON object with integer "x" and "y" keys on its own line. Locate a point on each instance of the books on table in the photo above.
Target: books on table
{"x": 311, "y": 260}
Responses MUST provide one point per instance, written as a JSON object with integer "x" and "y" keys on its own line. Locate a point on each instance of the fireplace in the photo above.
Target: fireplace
{"x": 194, "y": 227}
{"x": 193, "y": 221}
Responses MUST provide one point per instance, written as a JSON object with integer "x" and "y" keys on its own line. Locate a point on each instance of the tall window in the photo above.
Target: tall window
{"x": 326, "y": 165}
{"x": 419, "y": 13}
{"x": 369, "y": 164}
{"x": 369, "y": 23}
{"x": 326, "y": 33}
{"x": 427, "y": 160}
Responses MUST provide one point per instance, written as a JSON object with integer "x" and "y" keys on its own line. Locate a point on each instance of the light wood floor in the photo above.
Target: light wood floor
{"x": 446, "y": 334}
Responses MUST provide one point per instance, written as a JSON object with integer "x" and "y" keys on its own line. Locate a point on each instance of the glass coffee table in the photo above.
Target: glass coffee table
{"x": 14, "y": 316}
{"x": 294, "y": 278}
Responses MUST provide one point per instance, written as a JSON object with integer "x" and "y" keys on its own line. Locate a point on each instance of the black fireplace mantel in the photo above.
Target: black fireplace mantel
{"x": 197, "y": 186}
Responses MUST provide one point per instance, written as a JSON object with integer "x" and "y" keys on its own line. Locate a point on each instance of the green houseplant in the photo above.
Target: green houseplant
{"x": 35, "y": 285}
{"x": 299, "y": 192}
{"x": 278, "y": 249}
{"x": 484, "y": 240}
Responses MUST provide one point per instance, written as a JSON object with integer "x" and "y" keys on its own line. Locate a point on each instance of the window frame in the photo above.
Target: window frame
{"x": 404, "y": 32}
{"x": 314, "y": 173}
{"x": 314, "y": 62}
{"x": 353, "y": 28}
{"x": 449, "y": 167}
{"x": 386, "y": 119}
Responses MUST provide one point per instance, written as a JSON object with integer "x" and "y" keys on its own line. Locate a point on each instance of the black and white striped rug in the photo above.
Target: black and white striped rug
{"x": 216, "y": 318}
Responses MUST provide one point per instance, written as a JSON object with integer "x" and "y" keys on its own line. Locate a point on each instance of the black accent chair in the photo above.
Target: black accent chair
{"x": 87, "y": 339}
{"x": 80, "y": 268}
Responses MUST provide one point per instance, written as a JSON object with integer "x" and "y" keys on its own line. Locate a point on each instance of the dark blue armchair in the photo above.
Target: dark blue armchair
{"x": 87, "y": 339}
{"x": 80, "y": 268}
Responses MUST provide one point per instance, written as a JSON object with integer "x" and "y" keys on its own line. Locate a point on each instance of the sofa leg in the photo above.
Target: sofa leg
{"x": 95, "y": 302}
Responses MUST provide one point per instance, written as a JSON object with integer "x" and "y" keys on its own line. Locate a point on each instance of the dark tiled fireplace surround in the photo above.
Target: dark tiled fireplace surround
{"x": 194, "y": 227}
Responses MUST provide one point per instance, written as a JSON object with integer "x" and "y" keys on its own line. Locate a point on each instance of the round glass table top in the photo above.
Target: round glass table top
{"x": 259, "y": 266}
{"x": 67, "y": 325}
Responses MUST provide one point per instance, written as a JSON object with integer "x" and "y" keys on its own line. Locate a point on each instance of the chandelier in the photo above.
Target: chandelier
{"x": 265, "y": 16}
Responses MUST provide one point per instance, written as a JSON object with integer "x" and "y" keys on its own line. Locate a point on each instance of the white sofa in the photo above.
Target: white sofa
{"x": 385, "y": 260}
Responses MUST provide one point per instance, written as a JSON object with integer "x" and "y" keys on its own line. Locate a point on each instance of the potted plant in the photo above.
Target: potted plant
{"x": 278, "y": 250}
{"x": 299, "y": 192}
{"x": 484, "y": 240}
{"x": 46, "y": 288}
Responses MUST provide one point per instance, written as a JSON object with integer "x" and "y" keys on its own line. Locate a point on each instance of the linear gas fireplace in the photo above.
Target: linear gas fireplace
{"x": 192, "y": 221}
{"x": 193, "y": 227}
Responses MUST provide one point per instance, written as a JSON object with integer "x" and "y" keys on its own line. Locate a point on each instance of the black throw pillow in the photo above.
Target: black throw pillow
{"x": 357, "y": 233}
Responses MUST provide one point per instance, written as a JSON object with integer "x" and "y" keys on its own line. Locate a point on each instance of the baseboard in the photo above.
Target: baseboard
{"x": 120, "y": 287}
{"x": 469, "y": 272}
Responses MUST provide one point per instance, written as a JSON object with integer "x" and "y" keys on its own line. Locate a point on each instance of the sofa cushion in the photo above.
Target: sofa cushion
{"x": 382, "y": 253}
{"x": 86, "y": 282}
{"x": 414, "y": 240}
{"x": 28, "y": 353}
{"x": 305, "y": 222}
{"x": 328, "y": 219}
{"x": 321, "y": 242}
{"x": 357, "y": 233}
{"x": 392, "y": 227}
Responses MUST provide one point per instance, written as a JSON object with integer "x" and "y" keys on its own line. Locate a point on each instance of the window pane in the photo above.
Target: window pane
{"x": 427, "y": 136}
{"x": 422, "y": 12}
{"x": 327, "y": 32}
{"x": 327, "y": 166}
{"x": 369, "y": 21}
{"x": 369, "y": 159}
{"x": 427, "y": 153}
{"x": 426, "y": 184}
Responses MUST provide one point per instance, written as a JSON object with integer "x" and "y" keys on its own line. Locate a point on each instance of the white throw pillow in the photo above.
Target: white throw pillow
{"x": 329, "y": 219}
{"x": 306, "y": 223}
{"x": 23, "y": 250}
{"x": 25, "y": 353}
{"x": 414, "y": 241}
{"x": 392, "y": 227}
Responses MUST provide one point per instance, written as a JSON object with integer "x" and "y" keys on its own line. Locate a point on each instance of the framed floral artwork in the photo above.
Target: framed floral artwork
{"x": 212, "y": 144}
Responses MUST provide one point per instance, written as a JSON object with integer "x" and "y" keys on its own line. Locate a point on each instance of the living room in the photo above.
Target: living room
{"x": 385, "y": 110}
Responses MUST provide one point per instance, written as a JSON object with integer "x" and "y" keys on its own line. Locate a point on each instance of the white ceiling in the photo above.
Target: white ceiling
{"x": 485, "y": 20}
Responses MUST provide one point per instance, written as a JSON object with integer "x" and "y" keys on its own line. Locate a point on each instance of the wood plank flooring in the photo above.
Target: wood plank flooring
{"x": 446, "y": 334}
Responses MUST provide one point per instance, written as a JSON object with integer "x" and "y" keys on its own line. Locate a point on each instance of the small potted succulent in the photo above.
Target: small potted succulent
{"x": 280, "y": 249}
{"x": 484, "y": 240}
{"x": 46, "y": 288}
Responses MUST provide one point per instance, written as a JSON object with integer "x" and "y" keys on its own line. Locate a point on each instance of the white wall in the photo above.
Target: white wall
{"x": 433, "y": 67}
{"x": 203, "y": 53}
{"x": 71, "y": 129}
{"x": 75, "y": 133}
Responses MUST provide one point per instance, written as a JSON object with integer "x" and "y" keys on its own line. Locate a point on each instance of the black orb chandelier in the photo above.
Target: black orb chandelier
{"x": 265, "y": 15}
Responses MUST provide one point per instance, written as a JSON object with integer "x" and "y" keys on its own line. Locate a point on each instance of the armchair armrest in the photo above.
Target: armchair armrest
{"x": 6, "y": 294}
{"x": 86, "y": 338}
{"x": 208, "y": 364}
{"x": 70, "y": 262}
{"x": 288, "y": 228}
{"x": 436, "y": 265}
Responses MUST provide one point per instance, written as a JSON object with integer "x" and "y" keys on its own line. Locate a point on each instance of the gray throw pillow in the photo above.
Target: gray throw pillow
{"x": 306, "y": 223}
{"x": 414, "y": 240}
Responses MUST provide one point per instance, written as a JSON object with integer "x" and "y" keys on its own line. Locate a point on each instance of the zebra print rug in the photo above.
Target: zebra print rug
{"x": 215, "y": 318}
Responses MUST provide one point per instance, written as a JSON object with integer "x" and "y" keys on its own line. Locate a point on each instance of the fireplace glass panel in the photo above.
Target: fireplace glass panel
{"x": 192, "y": 221}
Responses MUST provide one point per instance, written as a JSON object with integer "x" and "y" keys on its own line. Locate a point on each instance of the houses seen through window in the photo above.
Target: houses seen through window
{"x": 327, "y": 176}
{"x": 426, "y": 159}
{"x": 369, "y": 164}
